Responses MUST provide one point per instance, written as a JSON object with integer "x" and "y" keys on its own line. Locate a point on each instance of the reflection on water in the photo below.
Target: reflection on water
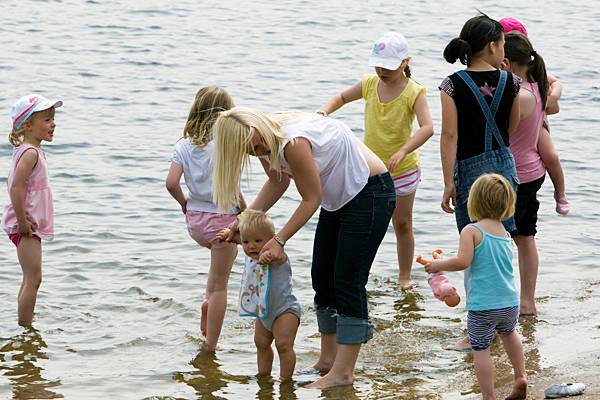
{"x": 208, "y": 379}
{"x": 530, "y": 344}
{"x": 18, "y": 362}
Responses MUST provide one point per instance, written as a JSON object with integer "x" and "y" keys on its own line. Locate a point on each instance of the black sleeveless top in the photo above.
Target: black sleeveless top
{"x": 471, "y": 120}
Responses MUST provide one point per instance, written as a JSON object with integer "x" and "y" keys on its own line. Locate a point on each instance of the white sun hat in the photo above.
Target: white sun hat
{"x": 389, "y": 51}
{"x": 27, "y": 105}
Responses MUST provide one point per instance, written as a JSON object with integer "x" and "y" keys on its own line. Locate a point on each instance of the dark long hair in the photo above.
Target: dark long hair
{"x": 476, "y": 33}
{"x": 518, "y": 49}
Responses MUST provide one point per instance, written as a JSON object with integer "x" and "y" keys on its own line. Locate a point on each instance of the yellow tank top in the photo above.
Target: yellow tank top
{"x": 388, "y": 126}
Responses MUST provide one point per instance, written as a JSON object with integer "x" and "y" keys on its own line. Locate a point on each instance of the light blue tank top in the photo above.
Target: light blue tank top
{"x": 489, "y": 281}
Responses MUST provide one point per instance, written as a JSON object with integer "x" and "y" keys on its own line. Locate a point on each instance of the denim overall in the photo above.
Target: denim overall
{"x": 500, "y": 161}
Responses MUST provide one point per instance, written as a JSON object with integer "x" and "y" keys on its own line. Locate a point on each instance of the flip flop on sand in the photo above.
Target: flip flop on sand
{"x": 564, "y": 389}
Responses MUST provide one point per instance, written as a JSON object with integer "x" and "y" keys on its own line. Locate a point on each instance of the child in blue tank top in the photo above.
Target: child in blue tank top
{"x": 485, "y": 253}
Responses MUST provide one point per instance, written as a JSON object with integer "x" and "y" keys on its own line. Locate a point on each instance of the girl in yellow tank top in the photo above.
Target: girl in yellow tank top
{"x": 392, "y": 100}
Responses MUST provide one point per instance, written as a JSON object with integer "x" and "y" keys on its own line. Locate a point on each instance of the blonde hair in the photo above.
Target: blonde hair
{"x": 491, "y": 196}
{"x": 255, "y": 220}
{"x": 233, "y": 148}
{"x": 16, "y": 136}
{"x": 208, "y": 103}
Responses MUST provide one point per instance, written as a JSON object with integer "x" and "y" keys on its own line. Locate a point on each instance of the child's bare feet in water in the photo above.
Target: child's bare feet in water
{"x": 519, "y": 390}
{"x": 405, "y": 284}
{"x": 527, "y": 309}
{"x": 203, "y": 317}
{"x": 461, "y": 345}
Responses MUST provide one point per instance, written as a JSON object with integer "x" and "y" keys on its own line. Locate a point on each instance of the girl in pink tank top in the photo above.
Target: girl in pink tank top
{"x": 29, "y": 216}
{"x": 522, "y": 60}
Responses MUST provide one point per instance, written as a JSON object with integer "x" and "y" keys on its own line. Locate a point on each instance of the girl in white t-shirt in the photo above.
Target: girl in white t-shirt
{"x": 192, "y": 158}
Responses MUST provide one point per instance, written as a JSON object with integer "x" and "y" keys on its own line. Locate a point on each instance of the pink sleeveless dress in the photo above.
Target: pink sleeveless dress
{"x": 38, "y": 197}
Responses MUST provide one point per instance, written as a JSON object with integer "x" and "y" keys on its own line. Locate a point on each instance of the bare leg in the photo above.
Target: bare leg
{"x": 528, "y": 270}
{"x": 342, "y": 371}
{"x": 285, "y": 328}
{"x": 514, "y": 349}
{"x": 461, "y": 345}
{"x": 405, "y": 240}
{"x": 484, "y": 369}
{"x": 264, "y": 353}
{"x": 551, "y": 160}
{"x": 328, "y": 352}
{"x": 221, "y": 260}
{"x": 29, "y": 254}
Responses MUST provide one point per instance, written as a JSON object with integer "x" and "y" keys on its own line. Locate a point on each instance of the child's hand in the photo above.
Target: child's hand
{"x": 184, "y": 207}
{"x": 432, "y": 267}
{"x": 223, "y": 234}
{"x": 396, "y": 159}
{"x": 272, "y": 252}
{"x": 25, "y": 228}
{"x": 449, "y": 198}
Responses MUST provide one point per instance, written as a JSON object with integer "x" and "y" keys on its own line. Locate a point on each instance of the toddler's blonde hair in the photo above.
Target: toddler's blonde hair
{"x": 491, "y": 196}
{"x": 209, "y": 102}
{"x": 255, "y": 220}
{"x": 233, "y": 148}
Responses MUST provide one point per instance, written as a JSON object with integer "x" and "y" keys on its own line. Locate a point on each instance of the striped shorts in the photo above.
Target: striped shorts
{"x": 481, "y": 325}
{"x": 407, "y": 182}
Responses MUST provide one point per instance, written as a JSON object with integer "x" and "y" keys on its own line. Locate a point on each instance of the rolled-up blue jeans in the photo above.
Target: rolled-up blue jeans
{"x": 346, "y": 241}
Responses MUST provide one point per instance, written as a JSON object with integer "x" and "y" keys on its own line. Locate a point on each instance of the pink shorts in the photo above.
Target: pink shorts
{"x": 204, "y": 226}
{"x": 407, "y": 182}
{"x": 16, "y": 238}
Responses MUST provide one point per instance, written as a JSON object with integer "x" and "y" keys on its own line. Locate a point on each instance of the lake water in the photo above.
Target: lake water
{"x": 117, "y": 313}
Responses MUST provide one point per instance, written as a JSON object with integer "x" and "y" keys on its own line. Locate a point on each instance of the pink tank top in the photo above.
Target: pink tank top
{"x": 38, "y": 197}
{"x": 524, "y": 140}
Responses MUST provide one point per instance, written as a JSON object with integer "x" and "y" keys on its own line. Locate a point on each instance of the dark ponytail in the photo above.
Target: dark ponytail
{"x": 518, "y": 50}
{"x": 407, "y": 71}
{"x": 474, "y": 36}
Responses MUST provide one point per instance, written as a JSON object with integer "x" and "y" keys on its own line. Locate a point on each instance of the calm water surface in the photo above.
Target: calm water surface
{"x": 117, "y": 313}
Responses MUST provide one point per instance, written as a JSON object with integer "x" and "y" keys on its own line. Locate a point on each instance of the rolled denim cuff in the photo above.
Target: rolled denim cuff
{"x": 327, "y": 319}
{"x": 353, "y": 330}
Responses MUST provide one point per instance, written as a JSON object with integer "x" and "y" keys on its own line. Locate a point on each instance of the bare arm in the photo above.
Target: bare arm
{"x": 306, "y": 177}
{"x": 18, "y": 190}
{"x": 466, "y": 249}
{"x": 173, "y": 187}
{"x": 272, "y": 190}
{"x": 554, "y": 93}
{"x": 515, "y": 115}
{"x": 346, "y": 96}
{"x": 422, "y": 134}
{"x": 242, "y": 204}
{"x": 448, "y": 145}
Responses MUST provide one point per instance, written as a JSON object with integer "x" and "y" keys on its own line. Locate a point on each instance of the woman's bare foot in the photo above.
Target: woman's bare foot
{"x": 321, "y": 367}
{"x": 329, "y": 381}
{"x": 461, "y": 345}
{"x": 203, "y": 317}
{"x": 519, "y": 390}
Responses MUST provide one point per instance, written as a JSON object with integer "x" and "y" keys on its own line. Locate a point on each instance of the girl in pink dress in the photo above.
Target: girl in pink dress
{"x": 29, "y": 216}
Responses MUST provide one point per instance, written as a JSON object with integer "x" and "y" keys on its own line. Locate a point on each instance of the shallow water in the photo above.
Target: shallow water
{"x": 117, "y": 313}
